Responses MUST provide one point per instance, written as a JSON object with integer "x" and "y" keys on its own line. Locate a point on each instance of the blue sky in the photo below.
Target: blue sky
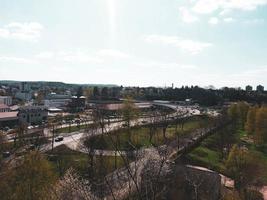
{"x": 135, "y": 42}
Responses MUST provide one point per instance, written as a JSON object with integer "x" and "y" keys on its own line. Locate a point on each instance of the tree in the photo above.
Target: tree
{"x": 40, "y": 97}
{"x": 96, "y": 92}
{"x": 153, "y": 119}
{"x": 260, "y": 135}
{"x": 71, "y": 186}
{"x": 243, "y": 167}
{"x": 88, "y": 92}
{"x": 2, "y": 146}
{"x": 243, "y": 108}
{"x": 2, "y": 141}
{"x": 105, "y": 92}
{"x": 79, "y": 92}
{"x": 129, "y": 113}
{"x": 237, "y": 112}
{"x": 19, "y": 138}
{"x": 89, "y": 145}
{"x": 30, "y": 179}
{"x": 251, "y": 118}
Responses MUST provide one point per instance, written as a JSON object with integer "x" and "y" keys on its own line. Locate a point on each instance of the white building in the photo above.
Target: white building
{"x": 54, "y": 100}
{"x": 7, "y": 100}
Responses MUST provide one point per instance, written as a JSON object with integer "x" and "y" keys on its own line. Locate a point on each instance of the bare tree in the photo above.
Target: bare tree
{"x": 129, "y": 113}
{"x": 70, "y": 187}
{"x": 19, "y": 137}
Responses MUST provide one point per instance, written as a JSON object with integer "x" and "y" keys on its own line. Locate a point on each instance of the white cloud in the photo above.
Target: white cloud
{"x": 22, "y": 31}
{"x": 228, "y": 20}
{"x": 210, "y": 6}
{"x": 225, "y": 12}
{"x": 206, "y": 6}
{"x": 4, "y": 33}
{"x": 187, "y": 16}
{"x": 18, "y": 60}
{"x": 213, "y": 20}
{"x": 254, "y": 21}
{"x": 254, "y": 76}
{"x": 79, "y": 56}
{"x": 112, "y": 53}
{"x": 161, "y": 65}
{"x": 193, "y": 47}
{"x": 45, "y": 55}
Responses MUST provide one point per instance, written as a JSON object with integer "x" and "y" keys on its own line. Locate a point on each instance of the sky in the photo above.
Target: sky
{"x": 135, "y": 42}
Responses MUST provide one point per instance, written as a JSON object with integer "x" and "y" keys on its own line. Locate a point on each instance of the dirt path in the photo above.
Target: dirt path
{"x": 264, "y": 192}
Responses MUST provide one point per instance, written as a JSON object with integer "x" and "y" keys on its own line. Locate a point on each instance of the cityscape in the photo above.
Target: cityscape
{"x": 133, "y": 100}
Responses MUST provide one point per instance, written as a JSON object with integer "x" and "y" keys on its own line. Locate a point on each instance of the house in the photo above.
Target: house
{"x": 4, "y": 108}
{"x": 8, "y": 119}
{"x": 33, "y": 114}
{"x": 6, "y": 100}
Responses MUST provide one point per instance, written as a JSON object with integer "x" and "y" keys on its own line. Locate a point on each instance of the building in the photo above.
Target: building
{"x": 249, "y": 88}
{"x": 8, "y": 119}
{"x": 7, "y": 100}
{"x": 54, "y": 100}
{"x": 77, "y": 104}
{"x": 24, "y": 92}
{"x": 4, "y": 108}
{"x": 33, "y": 114}
{"x": 260, "y": 88}
{"x": 25, "y": 96}
{"x": 24, "y": 87}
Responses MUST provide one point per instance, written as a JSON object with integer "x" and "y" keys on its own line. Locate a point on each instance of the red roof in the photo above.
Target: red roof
{"x": 3, "y": 106}
{"x": 5, "y": 116}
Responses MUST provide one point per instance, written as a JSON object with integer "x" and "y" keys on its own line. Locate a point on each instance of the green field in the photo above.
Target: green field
{"x": 209, "y": 155}
{"x": 71, "y": 129}
{"x": 140, "y": 137}
{"x": 64, "y": 158}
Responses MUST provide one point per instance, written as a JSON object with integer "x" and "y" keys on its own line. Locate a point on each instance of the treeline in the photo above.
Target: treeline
{"x": 256, "y": 124}
{"x": 252, "y": 119}
{"x": 208, "y": 97}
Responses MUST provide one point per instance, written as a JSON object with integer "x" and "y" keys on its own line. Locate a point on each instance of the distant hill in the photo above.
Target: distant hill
{"x": 57, "y": 84}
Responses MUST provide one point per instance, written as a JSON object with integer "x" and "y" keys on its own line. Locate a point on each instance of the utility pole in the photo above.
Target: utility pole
{"x": 53, "y": 137}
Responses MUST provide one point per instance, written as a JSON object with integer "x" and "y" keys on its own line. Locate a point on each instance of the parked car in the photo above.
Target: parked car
{"x": 31, "y": 147}
{"x": 59, "y": 139}
{"x": 6, "y": 129}
{"x": 6, "y": 154}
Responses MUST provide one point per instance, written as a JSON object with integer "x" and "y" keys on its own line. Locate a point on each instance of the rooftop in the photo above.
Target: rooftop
{"x": 4, "y": 116}
{"x": 3, "y": 106}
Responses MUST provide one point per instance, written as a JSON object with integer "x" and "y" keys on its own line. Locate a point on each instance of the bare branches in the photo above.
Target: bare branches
{"x": 70, "y": 187}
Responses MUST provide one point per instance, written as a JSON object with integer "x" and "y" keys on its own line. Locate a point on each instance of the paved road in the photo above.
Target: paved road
{"x": 73, "y": 140}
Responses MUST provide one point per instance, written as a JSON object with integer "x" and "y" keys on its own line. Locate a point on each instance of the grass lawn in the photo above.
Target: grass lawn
{"x": 70, "y": 129}
{"x": 140, "y": 137}
{"x": 64, "y": 158}
{"x": 207, "y": 155}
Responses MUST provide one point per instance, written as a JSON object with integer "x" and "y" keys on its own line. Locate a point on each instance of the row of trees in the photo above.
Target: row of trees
{"x": 256, "y": 124}
{"x": 252, "y": 119}
{"x": 242, "y": 165}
